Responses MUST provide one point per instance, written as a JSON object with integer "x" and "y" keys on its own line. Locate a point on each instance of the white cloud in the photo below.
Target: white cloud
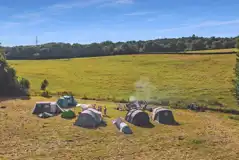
{"x": 124, "y": 1}
{"x": 57, "y": 8}
{"x": 77, "y": 4}
{"x": 115, "y": 3}
{"x": 142, "y": 13}
{"x": 202, "y": 24}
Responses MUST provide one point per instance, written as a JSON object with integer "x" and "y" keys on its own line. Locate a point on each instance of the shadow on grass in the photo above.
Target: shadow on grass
{"x": 68, "y": 118}
{"x": 3, "y": 98}
{"x": 175, "y": 123}
{"x": 47, "y": 96}
{"x": 102, "y": 124}
{"x": 149, "y": 125}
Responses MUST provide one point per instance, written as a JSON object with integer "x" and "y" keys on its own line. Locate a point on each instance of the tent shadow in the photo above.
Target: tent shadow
{"x": 150, "y": 125}
{"x": 170, "y": 124}
{"x": 68, "y": 118}
{"x": 103, "y": 124}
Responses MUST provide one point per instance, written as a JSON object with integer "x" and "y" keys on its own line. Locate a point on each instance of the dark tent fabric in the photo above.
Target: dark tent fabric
{"x": 164, "y": 116}
{"x": 88, "y": 119}
{"x": 137, "y": 117}
{"x": 48, "y": 107}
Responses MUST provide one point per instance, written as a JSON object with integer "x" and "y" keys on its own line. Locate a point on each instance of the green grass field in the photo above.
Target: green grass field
{"x": 215, "y": 51}
{"x": 202, "y": 135}
{"x": 204, "y": 78}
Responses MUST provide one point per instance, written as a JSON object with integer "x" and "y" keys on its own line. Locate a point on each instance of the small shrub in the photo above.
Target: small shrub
{"x": 85, "y": 97}
{"x": 234, "y": 117}
{"x": 165, "y": 102}
{"x": 113, "y": 99}
{"x": 46, "y": 94}
{"x": 123, "y": 101}
{"x": 44, "y": 85}
{"x": 198, "y": 141}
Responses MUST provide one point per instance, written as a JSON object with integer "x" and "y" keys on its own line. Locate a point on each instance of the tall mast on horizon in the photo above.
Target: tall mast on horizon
{"x": 36, "y": 41}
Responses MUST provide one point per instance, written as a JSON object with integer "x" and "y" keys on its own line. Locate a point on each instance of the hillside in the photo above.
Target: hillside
{"x": 201, "y": 78}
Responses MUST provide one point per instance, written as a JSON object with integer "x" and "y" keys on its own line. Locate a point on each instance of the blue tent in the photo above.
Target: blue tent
{"x": 66, "y": 101}
{"x": 137, "y": 117}
{"x": 89, "y": 119}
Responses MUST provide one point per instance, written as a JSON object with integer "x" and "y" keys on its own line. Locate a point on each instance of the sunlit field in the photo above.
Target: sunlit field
{"x": 202, "y": 135}
{"x": 199, "y": 78}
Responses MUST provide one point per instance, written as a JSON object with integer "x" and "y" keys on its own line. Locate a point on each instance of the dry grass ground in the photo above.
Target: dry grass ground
{"x": 199, "y": 136}
{"x": 204, "y": 78}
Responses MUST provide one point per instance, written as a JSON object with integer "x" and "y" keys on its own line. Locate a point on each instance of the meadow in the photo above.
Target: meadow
{"x": 199, "y": 135}
{"x": 202, "y": 135}
{"x": 191, "y": 78}
{"x": 215, "y": 50}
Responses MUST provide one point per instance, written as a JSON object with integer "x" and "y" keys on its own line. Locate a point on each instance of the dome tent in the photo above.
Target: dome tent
{"x": 48, "y": 107}
{"x": 66, "y": 101}
{"x": 62, "y": 102}
{"x": 137, "y": 117}
{"x": 89, "y": 118}
{"x": 163, "y": 115}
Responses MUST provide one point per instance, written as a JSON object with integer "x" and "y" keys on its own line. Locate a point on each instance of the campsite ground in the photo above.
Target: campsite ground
{"x": 201, "y": 78}
{"x": 199, "y": 136}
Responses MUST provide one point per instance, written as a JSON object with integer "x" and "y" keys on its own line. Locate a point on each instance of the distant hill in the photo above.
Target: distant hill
{"x": 157, "y": 46}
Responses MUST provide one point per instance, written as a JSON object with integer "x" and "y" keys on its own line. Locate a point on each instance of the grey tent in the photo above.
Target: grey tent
{"x": 123, "y": 127}
{"x": 137, "y": 117}
{"x": 163, "y": 115}
{"x": 48, "y": 107}
{"x": 89, "y": 118}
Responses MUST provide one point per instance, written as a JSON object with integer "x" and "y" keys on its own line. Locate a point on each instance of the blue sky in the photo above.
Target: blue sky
{"x": 86, "y": 21}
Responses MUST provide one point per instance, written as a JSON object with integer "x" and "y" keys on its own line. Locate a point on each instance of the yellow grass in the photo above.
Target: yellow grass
{"x": 199, "y": 136}
{"x": 215, "y": 50}
{"x": 205, "y": 78}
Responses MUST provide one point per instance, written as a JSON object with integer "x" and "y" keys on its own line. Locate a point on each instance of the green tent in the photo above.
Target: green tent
{"x": 68, "y": 114}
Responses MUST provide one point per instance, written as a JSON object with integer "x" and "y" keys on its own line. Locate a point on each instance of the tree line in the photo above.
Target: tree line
{"x": 237, "y": 71}
{"x": 165, "y": 45}
{"x": 10, "y": 83}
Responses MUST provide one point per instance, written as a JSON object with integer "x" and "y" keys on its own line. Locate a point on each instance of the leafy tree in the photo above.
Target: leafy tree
{"x": 237, "y": 71}
{"x": 44, "y": 85}
{"x": 66, "y": 50}
{"x": 237, "y": 44}
{"x": 24, "y": 83}
{"x": 217, "y": 45}
{"x": 9, "y": 84}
